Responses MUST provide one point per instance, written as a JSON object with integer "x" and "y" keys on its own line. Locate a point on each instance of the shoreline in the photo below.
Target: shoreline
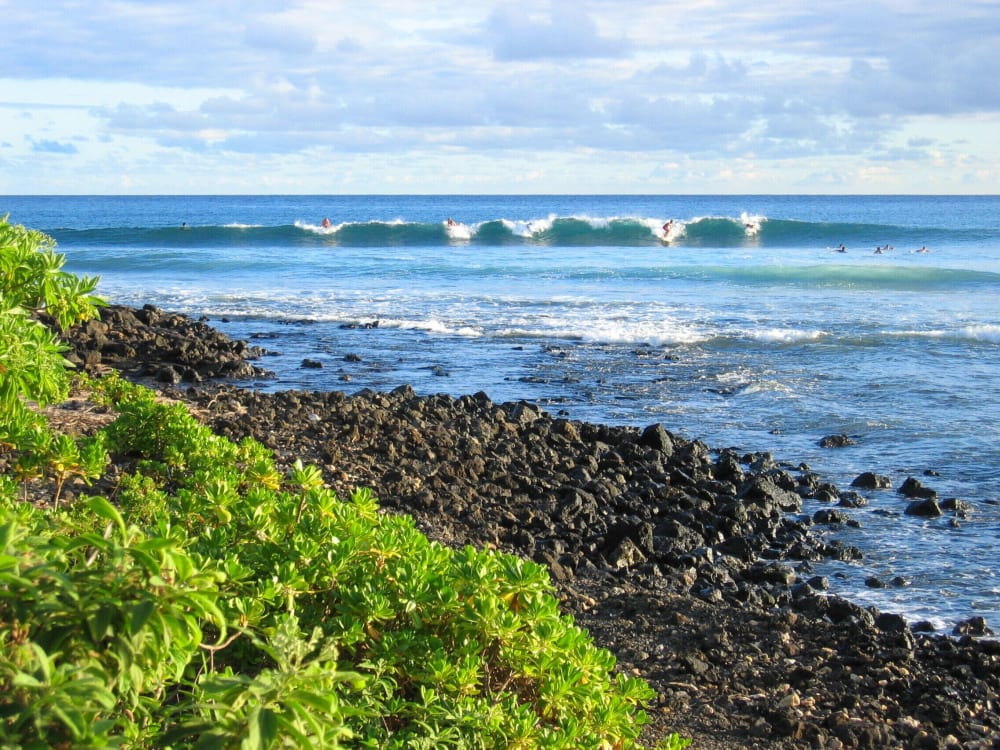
{"x": 690, "y": 564}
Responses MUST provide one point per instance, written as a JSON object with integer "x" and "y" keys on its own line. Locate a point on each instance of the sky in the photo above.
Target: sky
{"x": 547, "y": 96}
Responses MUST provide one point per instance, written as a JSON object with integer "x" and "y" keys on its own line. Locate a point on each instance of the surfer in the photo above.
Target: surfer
{"x": 451, "y": 222}
{"x": 923, "y": 249}
{"x": 667, "y": 226}
{"x": 841, "y": 248}
{"x": 326, "y": 223}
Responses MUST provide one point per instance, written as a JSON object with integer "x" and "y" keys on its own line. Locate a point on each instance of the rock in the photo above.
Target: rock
{"x": 311, "y": 364}
{"x": 891, "y": 623}
{"x": 836, "y": 441}
{"x": 829, "y": 516}
{"x": 975, "y": 626}
{"x": 655, "y": 436}
{"x": 852, "y": 500}
{"x": 925, "y": 508}
{"x": 871, "y": 481}
{"x": 168, "y": 374}
{"x": 956, "y": 506}
{"x": 167, "y": 347}
{"x": 914, "y": 488}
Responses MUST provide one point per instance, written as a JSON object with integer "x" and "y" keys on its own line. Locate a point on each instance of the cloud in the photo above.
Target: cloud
{"x": 52, "y": 147}
{"x": 623, "y": 79}
{"x": 515, "y": 33}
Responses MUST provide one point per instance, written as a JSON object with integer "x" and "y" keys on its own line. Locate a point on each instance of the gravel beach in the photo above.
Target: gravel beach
{"x": 691, "y": 564}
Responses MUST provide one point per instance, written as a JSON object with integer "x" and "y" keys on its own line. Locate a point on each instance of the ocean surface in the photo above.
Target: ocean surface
{"x": 745, "y": 324}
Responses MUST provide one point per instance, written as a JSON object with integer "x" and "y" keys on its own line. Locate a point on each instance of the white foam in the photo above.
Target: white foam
{"x": 984, "y": 332}
{"x": 596, "y": 222}
{"x": 784, "y": 335}
{"x": 655, "y": 226}
{"x": 458, "y": 231}
{"x": 431, "y": 326}
{"x": 529, "y": 228}
{"x": 751, "y": 224}
{"x": 319, "y": 228}
{"x": 610, "y": 332}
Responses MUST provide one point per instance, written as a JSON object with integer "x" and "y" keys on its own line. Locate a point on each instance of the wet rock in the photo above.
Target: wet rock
{"x": 830, "y": 517}
{"x": 852, "y": 500}
{"x": 836, "y": 441}
{"x": 956, "y": 506}
{"x": 925, "y": 508}
{"x": 914, "y": 488}
{"x": 975, "y": 626}
{"x": 871, "y": 481}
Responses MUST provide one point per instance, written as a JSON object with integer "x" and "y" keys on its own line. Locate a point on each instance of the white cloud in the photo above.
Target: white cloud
{"x": 564, "y": 31}
{"x": 588, "y": 93}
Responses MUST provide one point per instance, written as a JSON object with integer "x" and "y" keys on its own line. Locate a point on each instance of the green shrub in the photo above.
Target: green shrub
{"x": 32, "y": 367}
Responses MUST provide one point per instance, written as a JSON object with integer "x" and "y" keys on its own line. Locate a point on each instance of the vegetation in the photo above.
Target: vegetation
{"x": 211, "y": 601}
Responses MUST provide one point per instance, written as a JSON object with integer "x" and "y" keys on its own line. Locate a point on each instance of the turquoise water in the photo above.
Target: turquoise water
{"x": 743, "y": 326}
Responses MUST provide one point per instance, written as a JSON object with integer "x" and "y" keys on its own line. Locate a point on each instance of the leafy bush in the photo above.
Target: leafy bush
{"x": 32, "y": 367}
{"x": 219, "y": 603}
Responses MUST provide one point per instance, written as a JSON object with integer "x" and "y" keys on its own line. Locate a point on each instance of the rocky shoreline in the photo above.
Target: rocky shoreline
{"x": 692, "y": 565}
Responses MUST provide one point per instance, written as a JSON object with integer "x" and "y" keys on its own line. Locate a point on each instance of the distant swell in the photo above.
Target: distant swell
{"x": 556, "y": 231}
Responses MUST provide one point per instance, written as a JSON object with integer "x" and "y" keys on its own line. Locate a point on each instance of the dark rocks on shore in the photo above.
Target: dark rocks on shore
{"x": 166, "y": 347}
{"x": 691, "y": 565}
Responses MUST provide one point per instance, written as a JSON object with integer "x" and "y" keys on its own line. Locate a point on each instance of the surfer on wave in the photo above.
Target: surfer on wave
{"x": 326, "y": 223}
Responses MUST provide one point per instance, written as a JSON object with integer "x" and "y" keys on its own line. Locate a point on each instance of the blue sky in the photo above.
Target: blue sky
{"x": 567, "y": 96}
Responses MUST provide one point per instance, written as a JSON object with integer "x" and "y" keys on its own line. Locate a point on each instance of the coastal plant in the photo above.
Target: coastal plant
{"x": 451, "y": 644}
{"x": 32, "y": 282}
{"x": 32, "y": 366}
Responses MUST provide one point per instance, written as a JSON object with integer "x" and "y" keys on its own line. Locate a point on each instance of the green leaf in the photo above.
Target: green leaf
{"x": 263, "y": 729}
{"x": 139, "y": 615}
{"x": 102, "y": 508}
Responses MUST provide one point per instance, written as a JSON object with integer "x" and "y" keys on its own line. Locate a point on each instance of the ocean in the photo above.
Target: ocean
{"x": 761, "y": 323}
